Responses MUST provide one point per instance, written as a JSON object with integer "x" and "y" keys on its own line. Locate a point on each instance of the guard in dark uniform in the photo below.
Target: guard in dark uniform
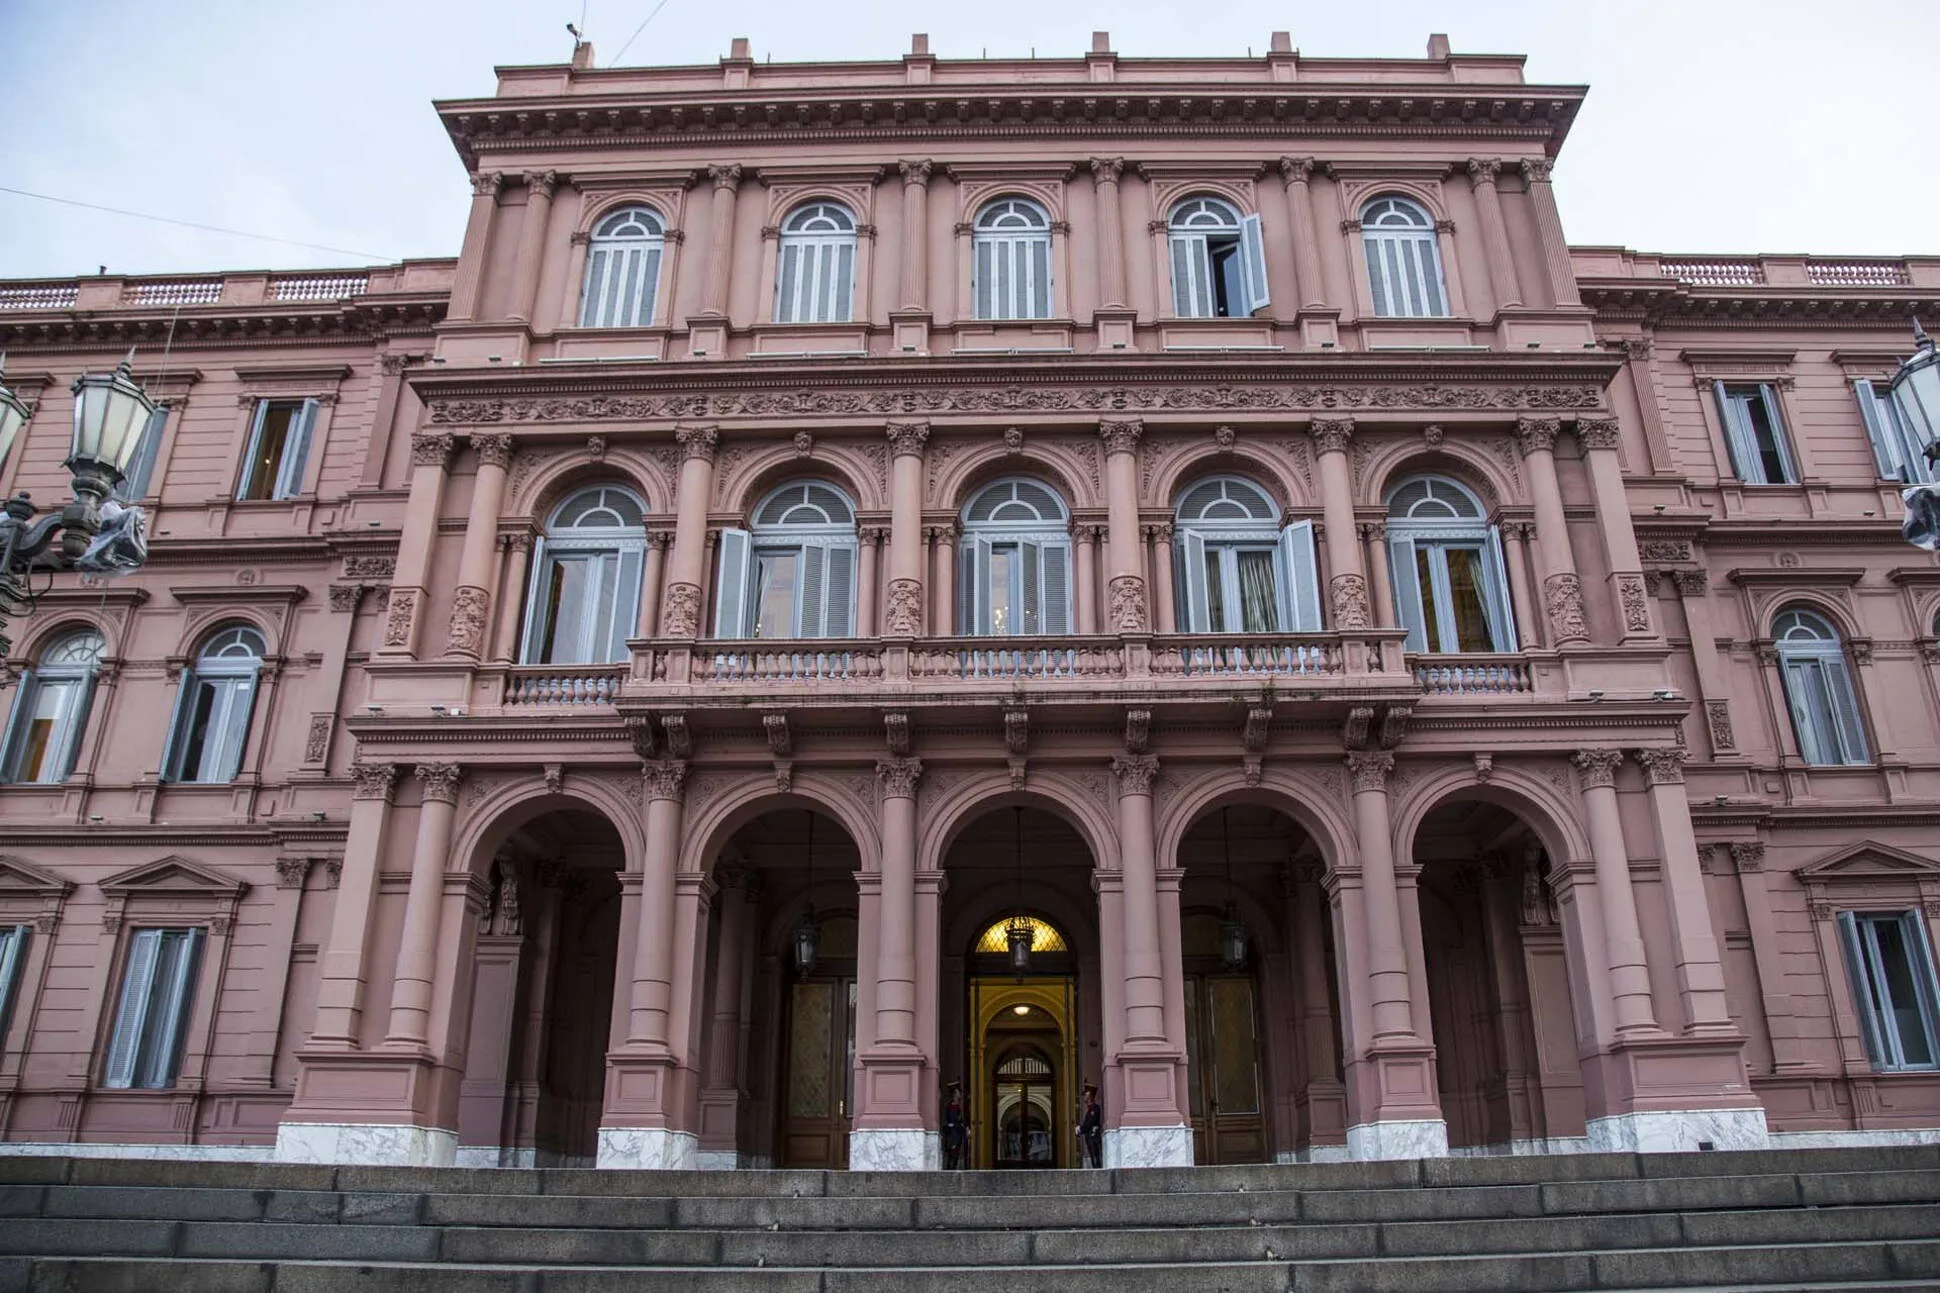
{"x": 956, "y": 1129}
{"x": 1091, "y": 1129}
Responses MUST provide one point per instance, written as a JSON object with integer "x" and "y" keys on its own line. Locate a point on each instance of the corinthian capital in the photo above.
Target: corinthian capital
{"x": 1598, "y": 767}
{"x": 431, "y": 448}
{"x": 440, "y": 781}
{"x": 486, "y": 184}
{"x": 916, "y": 172}
{"x": 1662, "y": 767}
{"x": 1135, "y": 773}
{"x": 725, "y": 177}
{"x": 494, "y": 449}
{"x": 1369, "y": 769}
{"x": 1121, "y": 434}
{"x": 663, "y": 778}
{"x": 541, "y": 183}
{"x": 1483, "y": 170}
{"x": 1332, "y": 434}
{"x": 898, "y": 777}
{"x": 1295, "y": 170}
{"x": 907, "y": 437}
{"x": 697, "y": 442}
{"x": 373, "y": 780}
{"x": 1597, "y": 431}
{"x": 1535, "y": 434}
{"x": 1536, "y": 169}
{"x": 1106, "y": 170}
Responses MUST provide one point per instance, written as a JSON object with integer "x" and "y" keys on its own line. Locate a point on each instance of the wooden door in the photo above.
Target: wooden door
{"x": 1223, "y": 1069}
{"x": 819, "y": 1082}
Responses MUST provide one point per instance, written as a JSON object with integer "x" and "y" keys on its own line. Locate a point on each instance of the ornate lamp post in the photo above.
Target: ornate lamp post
{"x": 1916, "y": 398}
{"x": 110, "y": 413}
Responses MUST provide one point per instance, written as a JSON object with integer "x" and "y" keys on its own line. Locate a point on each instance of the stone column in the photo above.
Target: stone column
{"x": 720, "y": 239}
{"x": 1790, "y": 1051}
{"x": 1562, "y": 590}
{"x": 680, "y": 615}
{"x": 1693, "y": 589}
{"x": 477, "y": 245}
{"x": 1124, "y": 581}
{"x": 1598, "y": 436}
{"x": 539, "y": 186}
{"x": 1700, "y": 975}
{"x": 903, "y": 613}
{"x": 1111, "y": 232}
{"x": 342, "y": 966}
{"x": 889, "y": 1133}
{"x": 418, "y": 945}
{"x": 1158, "y": 539}
{"x": 1515, "y": 555}
{"x": 1623, "y": 940}
{"x": 652, "y": 577}
{"x": 430, "y": 459}
{"x": 1087, "y": 582}
{"x": 914, "y": 288}
{"x": 943, "y": 567}
{"x": 1347, "y": 581}
{"x": 471, "y": 603}
{"x": 1375, "y": 535}
{"x": 1294, "y": 172}
{"x": 518, "y": 565}
{"x": 868, "y": 582}
{"x": 1150, "y": 1131}
{"x": 1495, "y": 235}
{"x": 1319, "y": 1030}
{"x": 1549, "y": 228}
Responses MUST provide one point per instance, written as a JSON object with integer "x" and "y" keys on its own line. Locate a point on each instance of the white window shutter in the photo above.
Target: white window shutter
{"x": 137, "y": 986}
{"x": 1407, "y": 590}
{"x": 296, "y": 452}
{"x": 237, "y": 704}
{"x": 844, "y": 308}
{"x": 838, "y": 592}
{"x": 1844, "y": 702}
{"x": 1252, "y": 259}
{"x": 73, "y": 725}
{"x": 1800, "y": 679}
{"x": 810, "y": 590}
{"x": 1495, "y": 596}
{"x": 23, "y": 697}
{"x": 1859, "y": 973}
{"x": 785, "y": 281}
{"x": 13, "y": 954}
{"x": 1300, "y": 596}
{"x": 592, "y": 290}
{"x": 625, "y": 597}
{"x": 249, "y": 449}
{"x": 1781, "y": 440}
{"x": 175, "y": 971}
{"x": 537, "y": 588}
{"x": 982, "y": 286}
{"x": 731, "y": 584}
{"x": 1030, "y": 618}
{"x": 1879, "y": 429}
{"x": 172, "y": 746}
{"x": 1745, "y": 460}
{"x": 1198, "y": 596}
{"x": 1056, "y": 589}
{"x": 1187, "y": 252}
{"x": 973, "y": 560}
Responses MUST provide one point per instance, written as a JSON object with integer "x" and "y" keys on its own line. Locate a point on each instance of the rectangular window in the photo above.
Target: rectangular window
{"x": 1451, "y": 595}
{"x": 775, "y": 574}
{"x": 213, "y": 728}
{"x": 136, "y": 483}
{"x": 1891, "y": 965}
{"x": 279, "y": 445}
{"x": 145, "y": 1048}
{"x": 1898, "y": 450}
{"x": 1011, "y": 276}
{"x": 1015, "y": 586}
{"x": 1755, "y": 434}
{"x": 1825, "y": 711}
{"x": 41, "y": 746}
{"x": 13, "y": 962}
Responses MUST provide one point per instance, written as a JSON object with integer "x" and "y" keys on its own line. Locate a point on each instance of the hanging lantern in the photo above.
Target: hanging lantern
{"x": 109, "y": 414}
{"x": 1232, "y": 941}
{"x": 1020, "y": 935}
{"x": 808, "y": 935}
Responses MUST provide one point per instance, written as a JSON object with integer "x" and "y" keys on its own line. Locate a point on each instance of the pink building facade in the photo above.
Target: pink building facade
{"x": 620, "y": 696}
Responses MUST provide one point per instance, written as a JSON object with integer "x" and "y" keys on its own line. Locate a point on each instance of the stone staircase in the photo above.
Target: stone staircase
{"x": 1784, "y": 1219}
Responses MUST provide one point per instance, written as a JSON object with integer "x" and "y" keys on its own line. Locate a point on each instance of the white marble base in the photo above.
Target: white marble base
{"x": 189, "y": 1153}
{"x": 1314, "y": 1154}
{"x": 895, "y": 1149}
{"x": 655, "y": 1149}
{"x": 1423, "y": 1138}
{"x": 1148, "y": 1147}
{"x": 366, "y": 1144}
{"x": 1854, "y": 1139}
{"x": 1679, "y": 1132}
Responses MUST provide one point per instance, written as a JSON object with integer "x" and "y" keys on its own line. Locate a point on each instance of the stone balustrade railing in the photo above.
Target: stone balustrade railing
{"x": 1249, "y": 656}
{"x": 1472, "y": 675}
{"x": 972, "y": 658}
{"x": 765, "y": 662}
{"x": 591, "y": 684}
{"x": 116, "y": 292}
{"x": 1591, "y": 263}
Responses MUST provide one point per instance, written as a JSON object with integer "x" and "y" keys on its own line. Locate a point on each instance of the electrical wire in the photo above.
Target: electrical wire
{"x": 207, "y": 228}
{"x": 636, "y": 33}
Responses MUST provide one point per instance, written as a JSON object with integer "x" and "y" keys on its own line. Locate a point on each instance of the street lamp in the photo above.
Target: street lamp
{"x": 1916, "y": 397}
{"x": 96, "y": 533}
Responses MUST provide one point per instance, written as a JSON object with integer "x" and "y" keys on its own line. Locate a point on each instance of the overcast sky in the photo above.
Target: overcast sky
{"x": 1712, "y": 125}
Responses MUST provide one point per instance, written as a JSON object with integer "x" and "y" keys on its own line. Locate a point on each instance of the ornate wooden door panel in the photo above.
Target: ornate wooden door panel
{"x": 1223, "y": 1070}
{"x": 818, "y": 1084}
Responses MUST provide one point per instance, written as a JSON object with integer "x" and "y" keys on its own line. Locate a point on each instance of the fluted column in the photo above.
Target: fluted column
{"x": 1598, "y": 436}
{"x": 1124, "y": 581}
{"x": 1111, "y": 232}
{"x": 1482, "y": 172}
{"x": 1629, "y": 976}
{"x": 342, "y": 966}
{"x": 539, "y": 186}
{"x": 1374, "y": 534}
{"x": 477, "y": 245}
{"x": 1562, "y": 589}
{"x": 680, "y": 615}
{"x": 471, "y": 602}
{"x": 868, "y": 582}
{"x": 1700, "y": 975}
{"x": 1346, "y": 580}
{"x": 1158, "y": 559}
{"x": 1515, "y": 555}
{"x": 1294, "y": 172}
{"x": 914, "y": 288}
{"x": 418, "y": 944}
{"x": 720, "y": 239}
{"x": 1549, "y": 228}
{"x": 430, "y": 460}
{"x": 1087, "y": 581}
{"x": 903, "y": 613}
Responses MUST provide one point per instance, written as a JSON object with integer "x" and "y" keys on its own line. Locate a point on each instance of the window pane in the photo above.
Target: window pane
{"x": 775, "y": 574}
{"x": 1258, "y": 605}
{"x": 1820, "y": 745}
{"x": 1766, "y": 436}
{"x": 1227, "y": 287}
{"x": 1432, "y": 611}
{"x": 1003, "y": 562}
{"x": 1040, "y": 278}
{"x": 1465, "y": 586}
{"x": 1216, "y": 592}
{"x": 1902, "y": 1000}
{"x": 259, "y": 479}
{"x": 566, "y": 625}
{"x": 196, "y": 734}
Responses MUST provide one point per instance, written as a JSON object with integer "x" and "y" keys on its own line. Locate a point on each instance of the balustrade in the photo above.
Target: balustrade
{"x": 1247, "y": 656}
{"x": 733, "y": 662}
{"x": 1017, "y": 658}
{"x": 196, "y": 292}
{"x": 592, "y": 684}
{"x": 1472, "y": 675}
{"x": 39, "y": 296}
{"x": 319, "y": 287}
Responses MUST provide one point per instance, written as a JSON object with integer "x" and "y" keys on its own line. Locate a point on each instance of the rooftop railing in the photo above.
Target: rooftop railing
{"x": 1714, "y": 273}
{"x": 39, "y": 296}
{"x": 318, "y": 287}
{"x": 205, "y": 291}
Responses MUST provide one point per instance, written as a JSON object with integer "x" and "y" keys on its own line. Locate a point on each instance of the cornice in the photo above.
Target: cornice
{"x": 241, "y": 594}
{"x": 1797, "y": 577}
{"x": 279, "y": 325}
{"x": 1665, "y": 301}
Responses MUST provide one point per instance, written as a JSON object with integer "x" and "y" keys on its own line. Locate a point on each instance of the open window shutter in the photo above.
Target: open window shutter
{"x": 234, "y": 735}
{"x": 1030, "y": 611}
{"x": 23, "y": 699}
{"x": 296, "y": 452}
{"x": 172, "y": 746}
{"x": 1780, "y": 438}
{"x": 810, "y": 589}
{"x": 625, "y": 598}
{"x": 1056, "y": 588}
{"x": 1300, "y": 598}
{"x": 844, "y": 310}
{"x": 786, "y": 280}
{"x": 1252, "y": 259}
{"x": 1799, "y": 679}
{"x": 538, "y": 591}
{"x": 13, "y": 952}
{"x": 974, "y": 572}
{"x": 1198, "y": 597}
{"x": 1495, "y": 596}
{"x": 175, "y": 971}
{"x": 1858, "y": 971}
{"x": 838, "y": 593}
{"x": 1186, "y": 254}
{"x": 593, "y": 289}
{"x": 1879, "y": 429}
{"x": 73, "y": 728}
{"x": 249, "y": 449}
{"x": 137, "y": 985}
{"x": 731, "y": 584}
{"x": 1844, "y": 701}
{"x": 1407, "y": 590}
{"x": 983, "y": 279}
{"x": 1745, "y": 460}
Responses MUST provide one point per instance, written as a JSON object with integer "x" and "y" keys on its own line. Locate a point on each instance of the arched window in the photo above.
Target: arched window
{"x": 1218, "y": 261}
{"x": 815, "y": 280}
{"x": 50, "y": 710}
{"x": 793, "y": 574}
{"x": 1016, "y": 558}
{"x": 1010, "y": 261}
{"x": 623, "y": 270}
{"x": 1818, "y": 689}
{"x": 1243, "y": 572}
{"x": 1449, "y": 587}
{"x": 212, "y": 710}
{"x": 1404, "y": 264}
{"x": 585, "y": 593}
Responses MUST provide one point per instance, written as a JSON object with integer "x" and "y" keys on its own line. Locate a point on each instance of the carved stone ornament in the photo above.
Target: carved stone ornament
{"x": 1017, "y": 732}
{"x": 486, "y": 184}
{"x": 1717, "y": 714}
{"x": 554, "y": 775}
{"x": 1563, "y": 599}
{"x": 373, "y": 780}
{"x": 317, "y": 744}
{"x": 1691, "y": 583}
{"x": 494, "y": 449}
{"x": 1331, "y": 434}
{"x": 1596, "y": 432}
{"x": 898, "y": 777}
{"x": 1348, "y": 593}
{"x": 1598, "y": 767}
{"x": 1537, "y": 435}
{"x": 680, "y": 614}
{"x": 895, "y": 733}
{"x": 596, "y": 447}
{"x": 1635, "y": 603}
{"x": 1126, "y": 603}
{"x": 400, "y": 617}
{"x": 468, "y": 610}
{"x": 907, "y": 437}
{"x": 440, "y": 781}
{"x": 1225, "y": 438}
{"x": 1121, "y": 435}
{"x": 1432, "y": 436}
{"x": 431, "y": 448}
{"x": 1748, "y": 856}
{"x": 697, "y": 442}
{"x": 1666, "y": 550}
{"x": 344, "y": 598}
{"x": 1483, "y": 170}
{"x": 781, "y": 742}
{"x": 663, "y": 778}
{"x": 1484, "y": 766}
{"x": 1536, "y": 169}
{"x": 1662, "y": 767}
{"x": 1135, "y": 773}
{"x": 1369, "y": 770}
{"x": 291, "y": 872}
{"x": 1013, "y": 440}
{"x": 804, "y": 444}
{"x": 903, "y": 610}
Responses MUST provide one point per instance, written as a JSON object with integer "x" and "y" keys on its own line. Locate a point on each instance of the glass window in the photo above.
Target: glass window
{"x": 1819, "y": 690}
{"x": 1404, "y": 266}
{"x": 1755, "y": 434}
{"x": 279, "y": 446}
{"x": 1218, "y": 261}
{"x": 1010, "y": 261}
{"x": 51, "y": 710}
{"x": 623, "y": 270}
{"x": 1016, "y": 562}
{"x": 13, "y": 959}
{"x": 793, "y": 574}
{"x": 136, "y": 483}
{"x": 815, "y": 279}
{"x": 1891, "y": 966}
{"x": 1896, "y": 446}
{"x": 585, "y": 596}
{"x": 1450, "y": 587}
{"x": 1241, "y": 571}
{"x": 213, "y": 708}
{"x": 145, "y": 1048}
